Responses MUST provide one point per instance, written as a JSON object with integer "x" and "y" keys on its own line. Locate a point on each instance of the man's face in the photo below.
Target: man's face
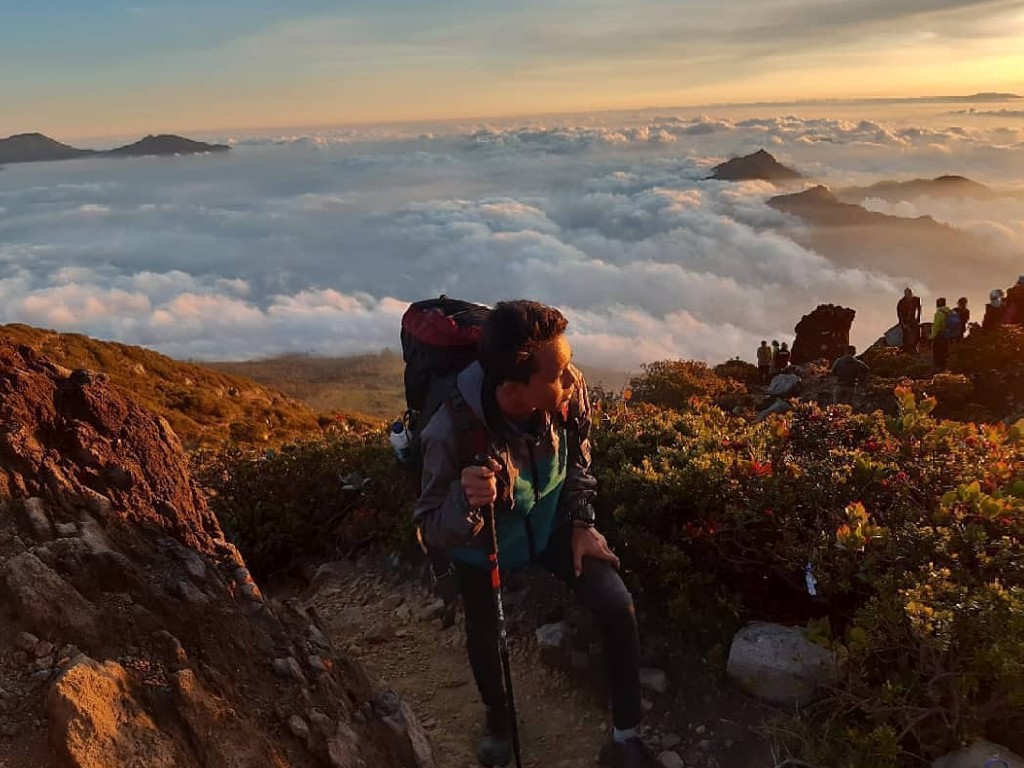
{"x": 551, "y": 385}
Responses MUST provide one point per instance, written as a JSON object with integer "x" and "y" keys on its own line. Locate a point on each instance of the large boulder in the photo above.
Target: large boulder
{"x": 824, "y": 333}
{"x": 778, "y": 664}
{"x": 981, "y": 754}
{"x": 130, "y": 630}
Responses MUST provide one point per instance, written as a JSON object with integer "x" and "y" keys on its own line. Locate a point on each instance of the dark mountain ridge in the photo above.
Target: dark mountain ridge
{"x": 36, "y": 148}
{"x": 949, "y": 186}
{"x": 760, "y": 165}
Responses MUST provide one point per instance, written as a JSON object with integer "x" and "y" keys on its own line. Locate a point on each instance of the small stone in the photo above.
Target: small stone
{"x": 298, "y": 728}
{"x": 671, "y": 741}
{"x": 242, "y": 575}
{"x": 66, "y": 530}
{"x": 653, "y": 680}
{"x": 35, "y": 515}
{"x": 40, "y": 675}
{"x": 705, "y": 745}
{"x": 27, "y": 642}
{"x": 322, "y": 723}
{"x": 553, "y": 635}
{"x": 251, "y": 591}
{"x": 671, "y": 760}
{"x": 700, "y": 729}
{"x": 379, "y": 633}
{"x": 392, "y": 602}
{"x": 317, "y": 664}
{"x": 434, "y": 610}
{"x": 646, "y": 704}
{"x": 189, "y": 593}
{"x": 692, "y": 756}
{"x": 43, "y": 648}
{"x": 288, "y": 668}
{"x": 8, "y": 728}
{"x": 403, "y": 612}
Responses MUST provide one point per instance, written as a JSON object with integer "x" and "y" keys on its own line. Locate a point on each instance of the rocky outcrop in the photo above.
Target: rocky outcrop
{"x": 130, "y": 629}
{"x": 824, "y": 333}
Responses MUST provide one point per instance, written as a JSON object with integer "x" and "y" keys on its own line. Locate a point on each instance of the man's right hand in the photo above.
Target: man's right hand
{"x": 480, "y": 485}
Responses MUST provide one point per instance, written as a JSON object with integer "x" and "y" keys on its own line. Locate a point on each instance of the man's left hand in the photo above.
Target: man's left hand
{"x": 588, "y": 542}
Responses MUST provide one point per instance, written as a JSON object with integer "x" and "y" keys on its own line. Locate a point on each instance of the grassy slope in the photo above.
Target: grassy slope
{"x": 364, "y": 384}
{"x": 202, "y": 405}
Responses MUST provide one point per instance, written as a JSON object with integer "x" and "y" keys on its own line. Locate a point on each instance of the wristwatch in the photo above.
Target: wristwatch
{"x": 581, "y": 513}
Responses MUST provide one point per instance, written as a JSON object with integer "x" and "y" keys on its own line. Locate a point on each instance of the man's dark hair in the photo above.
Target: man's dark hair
{"x": 940, "y": 302}
{"x": 851, "y": 350}
{"x": 511, "y": 336}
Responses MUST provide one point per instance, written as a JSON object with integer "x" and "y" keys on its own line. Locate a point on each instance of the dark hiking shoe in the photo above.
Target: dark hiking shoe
{"x": 495, "y": 746}
{"x": 630, "y": 754}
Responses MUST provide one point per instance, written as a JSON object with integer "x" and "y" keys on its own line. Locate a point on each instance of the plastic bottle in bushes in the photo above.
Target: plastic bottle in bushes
{"x": 400, "y": 441}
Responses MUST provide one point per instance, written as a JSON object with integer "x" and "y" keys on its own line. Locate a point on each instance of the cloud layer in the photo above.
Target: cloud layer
{"x": 317, "y": 241}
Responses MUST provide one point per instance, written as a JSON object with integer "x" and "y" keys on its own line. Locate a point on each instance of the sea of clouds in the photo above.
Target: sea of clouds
{"x": 315, "y": 241}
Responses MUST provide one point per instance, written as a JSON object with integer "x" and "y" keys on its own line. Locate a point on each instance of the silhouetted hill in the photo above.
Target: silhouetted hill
{"x": 166, "y": 144}
{"x": 35, "y": 147}
{"x": 894, "y": 191}
{"x": 203, "y": 406}
{"x": 821, "y": 206}
{"x": 852, "y": 236}
{"x": 760, "y": 165}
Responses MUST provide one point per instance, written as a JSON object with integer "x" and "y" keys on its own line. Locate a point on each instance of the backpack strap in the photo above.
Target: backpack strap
{"x": 472, "y": 437}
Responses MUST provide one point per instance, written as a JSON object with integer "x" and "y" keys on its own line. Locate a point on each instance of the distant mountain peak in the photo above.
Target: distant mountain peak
{"x": 760, "y": 165}
{"x": 36, "y": 147}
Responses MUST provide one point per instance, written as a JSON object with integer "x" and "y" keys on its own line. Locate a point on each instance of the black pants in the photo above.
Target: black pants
{"x": 940, "y": 353}
{"x": 599, "y": 587}
{"x": 764, "y": 373}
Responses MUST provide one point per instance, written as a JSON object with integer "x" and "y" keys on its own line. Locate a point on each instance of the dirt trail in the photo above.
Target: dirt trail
{"x": 383, "y": 620}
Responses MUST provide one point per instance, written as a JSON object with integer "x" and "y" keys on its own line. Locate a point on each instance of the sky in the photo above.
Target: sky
{"x": 79, "y": 68}
{"x": 315, "y": 241}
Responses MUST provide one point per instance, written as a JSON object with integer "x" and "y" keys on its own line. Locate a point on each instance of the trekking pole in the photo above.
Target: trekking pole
{"x": 506, "y": 667}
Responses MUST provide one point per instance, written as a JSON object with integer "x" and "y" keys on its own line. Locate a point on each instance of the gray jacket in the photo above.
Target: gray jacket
{"x": 442, "y": 511}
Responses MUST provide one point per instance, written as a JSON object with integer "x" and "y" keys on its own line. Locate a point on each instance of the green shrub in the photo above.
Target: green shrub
{"x": 912, "y": 527}
{"x": 320, "y": 497}
{"x": 673, "y": 383}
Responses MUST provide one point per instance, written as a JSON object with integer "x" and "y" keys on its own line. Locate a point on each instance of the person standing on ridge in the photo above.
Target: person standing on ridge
{"x": 908, "y": 313}
{"x": 775, "y": 356}
{"x": 940, "y": 343}
{"x": 782, "y": 358}
{"x": 530, "y": 407}
{"x": 1014, "y": 314}
{"x": 764, "y": 363}
{"x": 849, "y": 371}
{"x": 965, "y": 317}
{"x": 994, "y": 310}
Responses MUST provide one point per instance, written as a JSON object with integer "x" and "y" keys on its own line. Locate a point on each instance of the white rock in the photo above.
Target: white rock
{"x": 553, "y": 635}
{"x": 653, "y": 680}
{"x": 981, "y": 754}
{"x": 671, "y": 760}
{"x": 779, "y": 664}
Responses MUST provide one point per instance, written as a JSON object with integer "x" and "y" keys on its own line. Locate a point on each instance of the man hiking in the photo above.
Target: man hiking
{"x": 533, "y": 407}
{"x": 765, "y": 355}
{"x": 940, "y": 335}
{"x": 908, "y": 312}
{"x": 849, "y": 371}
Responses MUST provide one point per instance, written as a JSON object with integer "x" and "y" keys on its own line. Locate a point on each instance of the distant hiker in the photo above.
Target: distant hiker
{"x": 964, "y": 314}
{"x": 940, "y": 339}
{"x": 525, "y": 405}
{"x": 764, "y": 363}
{"x": 994, "y": 310}
{"x": 775, "y": 356}
{"x": 849, "y": 371}
{"x": 1014, "y": 301}
{"x": 782, "y": 358}
{"x": 908, "y": 313}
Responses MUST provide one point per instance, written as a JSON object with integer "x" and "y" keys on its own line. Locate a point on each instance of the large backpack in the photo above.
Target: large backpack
{"x": 439, "y": 339}
{"x": 952, "y": 326}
